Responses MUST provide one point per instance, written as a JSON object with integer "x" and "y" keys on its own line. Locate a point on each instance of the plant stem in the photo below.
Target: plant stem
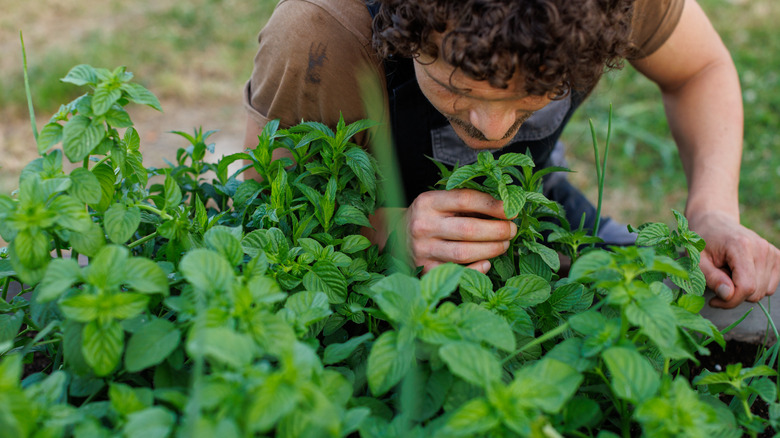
{"x": 142, "y": 240}
{"x": 27, "y": 90}
{"x": 6, "y": 285}
{"x": 154, "y": 210}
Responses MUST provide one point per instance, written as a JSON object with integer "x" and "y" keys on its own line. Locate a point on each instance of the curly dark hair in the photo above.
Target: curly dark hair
{"x": 557, "y": 45}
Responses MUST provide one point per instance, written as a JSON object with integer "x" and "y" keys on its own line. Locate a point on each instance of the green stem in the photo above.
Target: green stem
{"x": 6, "y": 285}
{"x": 156, "y": 211}
{"x": 102, "y": 160}
{"x": 57, "y": 245}
{"x": 142, "y": 240}
{"x": 27, "y": 89}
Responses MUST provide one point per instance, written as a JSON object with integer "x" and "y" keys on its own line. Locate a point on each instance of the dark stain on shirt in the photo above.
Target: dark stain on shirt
{"x": 317, "y": 57}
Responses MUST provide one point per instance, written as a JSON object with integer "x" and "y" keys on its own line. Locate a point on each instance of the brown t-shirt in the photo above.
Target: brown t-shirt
{"x": 312, "y": 53}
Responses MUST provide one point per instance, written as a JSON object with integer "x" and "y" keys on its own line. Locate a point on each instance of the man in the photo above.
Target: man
{"x": 462, "y": 76}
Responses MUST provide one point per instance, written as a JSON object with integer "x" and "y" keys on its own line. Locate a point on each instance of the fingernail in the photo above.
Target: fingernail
{"x": 723, "y": 291}
{"x": 506, "y": 245}
{"x": 514, "y": 230}
{"x": 485, "y": 267}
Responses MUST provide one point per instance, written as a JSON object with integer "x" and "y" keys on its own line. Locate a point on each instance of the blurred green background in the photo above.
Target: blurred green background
{"x": 196, "y": 56}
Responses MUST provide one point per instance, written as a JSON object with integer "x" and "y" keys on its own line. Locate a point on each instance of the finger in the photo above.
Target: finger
{"x": 717, "y": 279}
{"x": 464, "y": 253}
{"x": 466, "y": 200}
{"x": 743, "y": 272}
{"x": 474, "y": 230}
{"x": 482, "y": 266}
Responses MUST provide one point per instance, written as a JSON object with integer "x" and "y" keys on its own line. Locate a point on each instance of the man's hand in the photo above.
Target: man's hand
{"x": 737, "y": 263}
{"x": 463, "y": 226}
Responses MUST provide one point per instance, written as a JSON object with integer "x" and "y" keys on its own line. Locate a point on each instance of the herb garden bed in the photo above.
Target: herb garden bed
{"x": 222, "y": 307}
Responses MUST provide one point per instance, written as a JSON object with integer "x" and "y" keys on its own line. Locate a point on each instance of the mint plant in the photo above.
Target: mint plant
{"x": 190, "y": 301}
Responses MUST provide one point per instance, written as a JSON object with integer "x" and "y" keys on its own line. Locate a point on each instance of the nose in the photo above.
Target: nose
{"x": 492, "y": 121}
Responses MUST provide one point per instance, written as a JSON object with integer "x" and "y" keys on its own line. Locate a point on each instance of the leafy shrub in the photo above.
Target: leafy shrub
{"x": 211, "y": 306}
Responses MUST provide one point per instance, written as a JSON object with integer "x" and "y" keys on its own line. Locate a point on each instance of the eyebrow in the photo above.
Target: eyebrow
{"x": 464, "y": 91}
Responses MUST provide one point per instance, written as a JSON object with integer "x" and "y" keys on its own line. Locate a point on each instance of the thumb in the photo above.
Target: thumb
{"x": 717, "y": 279}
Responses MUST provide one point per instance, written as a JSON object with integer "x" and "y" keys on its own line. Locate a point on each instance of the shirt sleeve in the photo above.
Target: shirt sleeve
{"x": 652, "y": 24}
{"x": 308, "y": 65}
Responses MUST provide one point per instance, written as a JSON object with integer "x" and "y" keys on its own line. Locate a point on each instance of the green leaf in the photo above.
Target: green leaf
{"x": 515, "y": 159}
{"x": 324, "y": 276}
{"x": 126, "y": 400}
{"x": 207, "y": 270}
{"x": 151, "y": 344}
{"x": 61, "y": 274}
{"x": 547, "y": 385}
{"x": 122, "y": 305}
{"x": 71, "y": 214}
{"x": 121, "y": 222}
{"x": 272, "y": 400}
{"x": 460, "y": 176}
{"x": 80, "y": 308}
{"x": 85, "y": 186}
{"x": 106, "y": 178}
{"x": 145, "y": 276}
{"x": 102, "y": 346}
{"x": 223, "y": 345}
{"x": 153, "y": 422}
{"x": 172, "y": 192}
{"x": 691, "y": 303}
{"x": 397, "y": 295}
{"x": 10, "y": 325}
{"x": 472, "y": 363}
{"x": 476, "y": 283}
{"x": 308, "y": 307}
{"x": 224, "y": 241}
{"x": 474, "y": 418}
{"x": 532, "y": 289}
{"x": 549, "y": 255}
{"x": 103, "y": 98}
{"x": 107, "y": 269}
{"x": 139, "y": 94}
{"x": 656, "y": 319}
{"x": 81, "y": 74}
{"x": 440, "y": 282}
{"x": 80, "y": 136}
{"x": 32, "y": 248}
{"x": 118, "y": 118}
{"x": 355, "y": 243}
{"x": 335, "y": 353}
{"x": 360, "y": 163}
{"x": 514, "y": 200}
{"x": 71, "y": 347}
{"x": 478, "y": 324}
{"x": 632, "y": 376}
{"x": 348, "y": 214}
{"x": 387, "y": 363}
{"x": 50, "y": 135}
{"x": 653, "y": 234}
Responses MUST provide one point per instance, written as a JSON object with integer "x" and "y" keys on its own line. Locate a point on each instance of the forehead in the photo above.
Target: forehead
{"x": 439, "y": 71}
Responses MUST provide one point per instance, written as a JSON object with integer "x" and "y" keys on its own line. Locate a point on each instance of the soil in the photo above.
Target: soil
{"x": 735, "y": 352}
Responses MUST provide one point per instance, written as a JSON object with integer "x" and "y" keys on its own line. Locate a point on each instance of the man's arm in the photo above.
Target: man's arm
{"x": 703, "y": 103}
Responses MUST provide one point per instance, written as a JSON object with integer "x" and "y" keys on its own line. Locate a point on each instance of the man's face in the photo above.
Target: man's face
{"x": 484, "y": 117}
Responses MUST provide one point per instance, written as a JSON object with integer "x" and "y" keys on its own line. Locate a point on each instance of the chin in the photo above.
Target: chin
{"x": 480, "y": 145}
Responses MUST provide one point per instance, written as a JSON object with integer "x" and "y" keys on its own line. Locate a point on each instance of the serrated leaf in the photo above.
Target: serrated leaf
{"x": 10, "y": 325}
{"x": 472, "y": 363}
{"x": 107, "y": 269}
{"x": 80, "y": 136}
{"x": 359, "y": 161}
{"x": 653, "y": 234}
{"x": 88, "y": 242}
{"x": 172, "y": 192}
{"x": 656, "y": 320}
{"x": 222, "y": 345}
{"x": 103, "y": 98}
{"x": 151, "y": 344}
{"x": 461, "y": 176}
{"x": 354, "y": 243}
{"x": 153, "y": 422}
{"x": 387, "y": 363}
{"x": 50, "y": 135}
{"x": 475, "y": 323}
{"x": 335, "y": 353}
{"x": 348, "y": 214}
{"x": 473, "y": 418}
{"x": 81, "y": 74}
{"x": 632, "y": 376}
{"x": 102, "y": 346}
{"x": 514, "y": 200}
{"x": 106, "y": 178}
{"x": 532, "y": 289}
{"x": 32, "y": 249}
{"x": 145, "y": 276}
{"x": 61, "y": 274}
{"x": 476, "y": 283}
{"x": 515, "y": 159}
{"x": 207, "y": 270}
{"x": 309, "y": 307}
{"x": 440, "y": 282}
{"x": 85, "y": 186}
{"x": 121, "y": 222}
{"x": 324, "y": 276}
{"x": 139, "y": 94}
